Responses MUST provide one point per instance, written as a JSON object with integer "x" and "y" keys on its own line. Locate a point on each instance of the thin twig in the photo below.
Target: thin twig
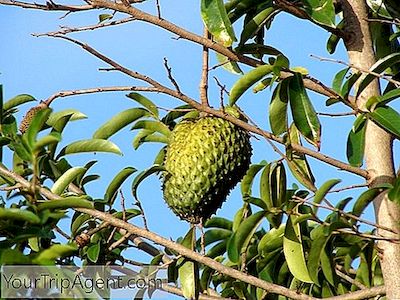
{"x": 345, "y": 114}
{"x": 50, "y": 5}
{"x": 60, "y": 231}
{"x": 222, "y": 90}
{"x": 394, "y": 22}
{"x": 378, "y": 75}
{"x": 63, "y": 94}
{"x": 350, "y": 279}
{"x": 66, "y": 30}
{"x": 123, "y": 205}
{"x": 170, "y": 77}
{"x": 343, "y": 213}
{"x": 204, "y": 73}
{"x": 119, "y": 242}
{"x": 355, "y": 186}
{"x": 158, "y": 9}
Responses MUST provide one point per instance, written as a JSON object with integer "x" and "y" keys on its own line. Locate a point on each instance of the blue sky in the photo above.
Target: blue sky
{"x": 43, "y": 66}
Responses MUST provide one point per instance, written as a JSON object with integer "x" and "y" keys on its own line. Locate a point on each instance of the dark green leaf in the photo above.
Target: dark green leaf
{"x": 298, "y": 163}
{"x": 256, "y": 23}
{"x": 363, "y": 201}
{"x": 338, "y": 80}
{"x": 239, "y": 241}
{"x": 143, "y": 175}
{"x": 380, "y": 66}
{"x": 93, "y": 252}
{"x": 322, "y": 191}
{"x": 218, "y": 222}
{"x": 248, "y": 179}
{"x": 104, "y": 17}
{"x": 356, "y": 143}
{"x": 115, "y": 184}
{"x": 321, "y": 11}
{"x": 387, "y": 118}
{"x": 278, "y": 119}
{"x": 304, "y": 115}
{"x": 35, "y": 126}
{"x": 394, "y": 193}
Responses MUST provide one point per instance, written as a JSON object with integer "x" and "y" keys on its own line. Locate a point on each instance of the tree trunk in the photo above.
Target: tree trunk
{"x": 378, "y": 144}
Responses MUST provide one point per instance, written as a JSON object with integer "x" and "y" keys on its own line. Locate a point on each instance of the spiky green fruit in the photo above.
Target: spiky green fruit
{"x": 205, "y": 159}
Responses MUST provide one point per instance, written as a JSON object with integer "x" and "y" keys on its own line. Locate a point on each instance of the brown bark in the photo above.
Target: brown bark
{"x": 378, "y": 146}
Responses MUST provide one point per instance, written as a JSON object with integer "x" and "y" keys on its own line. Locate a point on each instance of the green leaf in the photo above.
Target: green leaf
{"x": 51, "y": 138}
{"x": 257, "y": 49}
{"x": 338, "y": 80}
{"x": 348, "y": 85}
{"x": 256, "y": 23}
{"x": 304, "y": 115}
{"x": 54, "y": 252}
{"x": 65, "y": 179}
{"x": 73, "y": 113}
{"x": 65, "y": 203}
{"x": 262, "y": 85}
{"x": 294, "y": 252}
{"x": 91, "y": 145}
{"x": 218, "y": 222}
{"x": 188, "y": 270}
{"x": 389, "y": 96}
{"x": 228, "y": 65}
{"x": 380, "y": 66}
{"x": 35, "y": 126}
{"x": 265, "y": 192}
{"x": 93, "y": 252}
{"x": 277, "y": 182}
{"x": 78, "y": 222}
{"x": 17, "y": 214}
{"x": 146, "y": 135}
{"x": 115, "y": 184}
{"x": 214, "y": 235}
{"x": 356, "y": 143}
{"x": 365, "y": 198}
{"x": 322, "y": 191}
{"x": 143, "y": 175}
{"x": 155, "y": 126}
{"x": 387, "y": 118}
{"x": 328, "y": 267}
{"x": 145, "y": 102}
{"x": 298, "y": 163}
{"x": 216, "y": 19}
{"x": 105, "y": 17}
{"x": 119, "y": 121}
{"x": 321, "y": 11}
{"x": 278, "y": 119}
{"x": 17, "y": 100}
{"x": 247, "y": 181}
{"x": 394, "y": 193}
{"x": 239, "y": 241}
{"x": 271, "y": 241}
{"x": 247, "y": 80}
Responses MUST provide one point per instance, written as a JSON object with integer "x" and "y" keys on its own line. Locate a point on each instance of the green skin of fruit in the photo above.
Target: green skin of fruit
{"x": 205, "y": 159}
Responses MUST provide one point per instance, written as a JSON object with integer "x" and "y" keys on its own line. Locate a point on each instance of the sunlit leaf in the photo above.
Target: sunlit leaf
{"x": 356, "y": 144}
{"x": 387, "y": 118}
{"x": 278, "y": 117}
{"x": 17, "y": 214}
{"x": 119, "y": 121}
{"x": 145, "y": 102}
{"x": 91, "y": 145}
{"x": 65, "y": 203}
{"x": 65, "y": 179}
{"x": 216, "y": 19}
{"x": 17, "y": 100}
{"x": 116, "y": 183}
{"x": 322, "y": 191}
{"x": 49, "y": 255}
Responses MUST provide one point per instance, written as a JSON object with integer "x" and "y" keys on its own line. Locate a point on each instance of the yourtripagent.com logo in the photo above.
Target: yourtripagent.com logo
{"x": 96, "y": 282}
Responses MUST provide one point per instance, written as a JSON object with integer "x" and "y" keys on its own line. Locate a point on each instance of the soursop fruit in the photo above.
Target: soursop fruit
{"x": 205, "y": 159}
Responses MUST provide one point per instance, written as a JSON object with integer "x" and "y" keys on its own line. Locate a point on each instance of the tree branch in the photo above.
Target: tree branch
{"x": 204, "y": 73}
{"x": 179, "y": 95}
{"x": 66, "y": 30}
{"x": 63, "y": 94}
{"x": 50, "y": 6}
